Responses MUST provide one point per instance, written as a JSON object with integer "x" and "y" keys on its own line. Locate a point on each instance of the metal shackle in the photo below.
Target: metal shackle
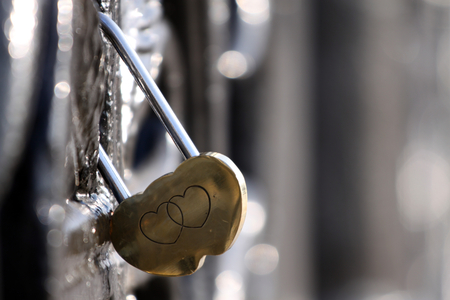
{"x": 156, "y": 100}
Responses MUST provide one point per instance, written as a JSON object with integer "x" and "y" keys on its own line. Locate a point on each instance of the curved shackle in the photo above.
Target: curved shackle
{"x": 148, "y": 86}
{"x": 154, "y": 96}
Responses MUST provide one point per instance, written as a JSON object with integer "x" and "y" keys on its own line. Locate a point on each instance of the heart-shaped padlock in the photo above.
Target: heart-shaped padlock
{"x": 197, "y": 210}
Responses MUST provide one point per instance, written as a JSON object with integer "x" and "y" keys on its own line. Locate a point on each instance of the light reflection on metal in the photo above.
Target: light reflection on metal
{"x": 197, "y": 210}
{"x": 111, "y": 175}
{"x": 153, "y": 242}
{"x": 262, "y": 259}
{"x": 155, "y": 97}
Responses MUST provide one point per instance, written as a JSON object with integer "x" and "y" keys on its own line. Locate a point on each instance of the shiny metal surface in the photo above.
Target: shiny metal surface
{"x": 181, "y": 217}
{"x": 111, "y": 175}
{"x": 155, "y": 97}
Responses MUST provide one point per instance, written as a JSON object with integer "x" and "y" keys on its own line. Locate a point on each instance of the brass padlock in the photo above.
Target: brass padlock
{"x": 197, "y": 210}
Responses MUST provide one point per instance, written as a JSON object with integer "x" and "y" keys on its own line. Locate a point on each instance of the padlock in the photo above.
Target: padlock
{"x": 197, "y": 210}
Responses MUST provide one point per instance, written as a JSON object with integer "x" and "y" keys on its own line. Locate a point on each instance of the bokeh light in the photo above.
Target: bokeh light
{"x": 262, "y": 259}
{"x": 232, "y": 64}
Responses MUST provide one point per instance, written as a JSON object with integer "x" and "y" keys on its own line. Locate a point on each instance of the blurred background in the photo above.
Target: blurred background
{"x": 336, "y": 111}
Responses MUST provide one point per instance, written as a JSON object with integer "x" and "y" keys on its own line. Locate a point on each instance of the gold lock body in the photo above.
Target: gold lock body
{"x": 195, "y": 211}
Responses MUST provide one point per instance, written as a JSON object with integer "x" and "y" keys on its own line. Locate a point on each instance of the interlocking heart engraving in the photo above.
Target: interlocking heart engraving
{"x": 197, "y": 210}
{"x": 169, "y": 215}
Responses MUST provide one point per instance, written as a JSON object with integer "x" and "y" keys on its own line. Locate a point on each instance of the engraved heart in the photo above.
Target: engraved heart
{"x": 195, "y": 205}
{"x": 181, "y": 217}
{"x": 159, "y": 227}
